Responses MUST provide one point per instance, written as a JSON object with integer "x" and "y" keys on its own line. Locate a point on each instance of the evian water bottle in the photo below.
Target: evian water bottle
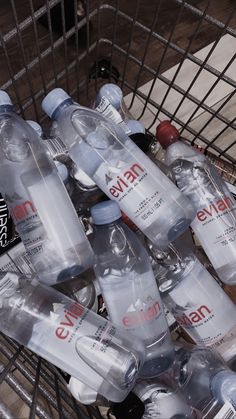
{"x": 38, "y": 201}
{"x": 128, "y": 286}
{"x": 106, "y": 154}
{"x": 70, "y": 336}
{"x": 197, "y": 302}
{"x": 215, "y": 221}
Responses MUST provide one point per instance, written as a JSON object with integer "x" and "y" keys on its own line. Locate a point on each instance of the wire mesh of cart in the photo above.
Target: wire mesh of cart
{"x": 173, "y": 59}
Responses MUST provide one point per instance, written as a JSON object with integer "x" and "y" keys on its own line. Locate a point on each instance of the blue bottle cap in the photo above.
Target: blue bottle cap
{"x": 36, "y": 127}
{"x": 105, "y": 212}
{"x": 54, "y": 99}
{"x": 5, "y": 98}
{"x": 113, "y": 93}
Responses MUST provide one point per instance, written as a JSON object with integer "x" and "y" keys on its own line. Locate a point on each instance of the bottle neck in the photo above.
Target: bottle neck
{"x": 6, "y": 108}
{"x": 60, "y": 109}
{"x": 112, "y": 225}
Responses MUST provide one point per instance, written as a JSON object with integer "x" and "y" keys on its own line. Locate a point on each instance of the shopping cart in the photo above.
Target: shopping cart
{"x": 173, "y": 59}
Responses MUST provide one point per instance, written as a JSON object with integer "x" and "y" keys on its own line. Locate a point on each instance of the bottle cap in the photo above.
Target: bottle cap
{"x": 36, "y": 127}
{"x": 81, "y": 392}
{"x": 54, "y": 99}
{"x": 62, "y": 171}
{"x": 166, "y": 134}
{"x": 5, "y": 98}
{"x": 136, "y": 127}
{"x": 113, "y": 93}
{"x": 105, "y": 212}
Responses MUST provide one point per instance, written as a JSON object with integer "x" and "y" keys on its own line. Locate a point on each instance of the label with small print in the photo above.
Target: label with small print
{"x": 136, "y": 192}
{"x": 202, "y": 308}
{"x": 226, "y": 412}
{"x": 110, "y": 112}
{"x": 215, "y": 227}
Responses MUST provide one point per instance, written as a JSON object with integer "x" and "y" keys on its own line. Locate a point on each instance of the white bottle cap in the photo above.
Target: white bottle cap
{"x": 105, "y": 212}
{"x": 5, "y": 98}
{"x": 54, "y": 99}
{"x": 113, "y": 93}
{"x": 81, "y": 392}
{"x": 36, "y": 127}
{"x": 136, "y": 127}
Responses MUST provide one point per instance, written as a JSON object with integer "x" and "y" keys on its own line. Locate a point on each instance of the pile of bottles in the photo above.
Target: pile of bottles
{"x": 108, "y": 229}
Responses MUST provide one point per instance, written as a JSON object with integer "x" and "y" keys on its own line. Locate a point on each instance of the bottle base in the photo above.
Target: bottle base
{"x": 156, "y": 366}
{"x": 227, "y": 274}
{"x": 70, "y": 273}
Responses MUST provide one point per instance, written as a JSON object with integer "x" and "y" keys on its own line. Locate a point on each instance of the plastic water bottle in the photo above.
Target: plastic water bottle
{"x": 61, "y": 168}
{"x": 197, "y": 301}
{"x": 205, "y": 380}
{"x": 73, "y": 338}
{"x": 162, "y": 402}
{"x": 215, "y": 221}
{"x": 128, "y": 286}
{"x": 102, "y": 150}
{"x": 38, "y": 201}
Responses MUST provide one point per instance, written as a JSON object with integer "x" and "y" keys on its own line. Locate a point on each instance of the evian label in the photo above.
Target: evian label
{"x": 139, "y": 314}
{"x": 216, "y": 208}
{"x": 69, "y": 336}
{"x": 134, "y": 188}
{"x": 27, "y": 222}
{"x": 202, "y": 308}
{"x": 135, "y": 306}
{"x": 215, "y": 227}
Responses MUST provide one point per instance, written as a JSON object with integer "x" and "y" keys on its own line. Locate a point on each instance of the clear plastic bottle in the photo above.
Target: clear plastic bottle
{"x": 102, "y": 150}
{"x": 128, "y": 286}
{"x": 38, "y": 201}
{"x": 205, "y": 380}
{"x": 70, "y": 336}
{"x": 162, "y": 402}
{"x": 197, "y": 302}
{"x": 215, "y": 221}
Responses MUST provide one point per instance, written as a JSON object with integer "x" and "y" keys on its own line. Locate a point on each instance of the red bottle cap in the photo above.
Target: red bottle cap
{"x": 166, "y": 134}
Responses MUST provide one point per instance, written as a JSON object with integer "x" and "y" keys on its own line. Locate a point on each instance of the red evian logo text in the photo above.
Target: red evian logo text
{"x": 72, "y": 314}
{"x": 21, "y": 211}
{"x": 194, "y": 317}
{"x": 136, "y": 318}
{"x": 123, "y": 181}
{"x": 214, "y": 208}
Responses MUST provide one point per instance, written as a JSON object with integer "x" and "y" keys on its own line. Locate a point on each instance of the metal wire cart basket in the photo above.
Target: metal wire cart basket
{"x": 174, "y": 59}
